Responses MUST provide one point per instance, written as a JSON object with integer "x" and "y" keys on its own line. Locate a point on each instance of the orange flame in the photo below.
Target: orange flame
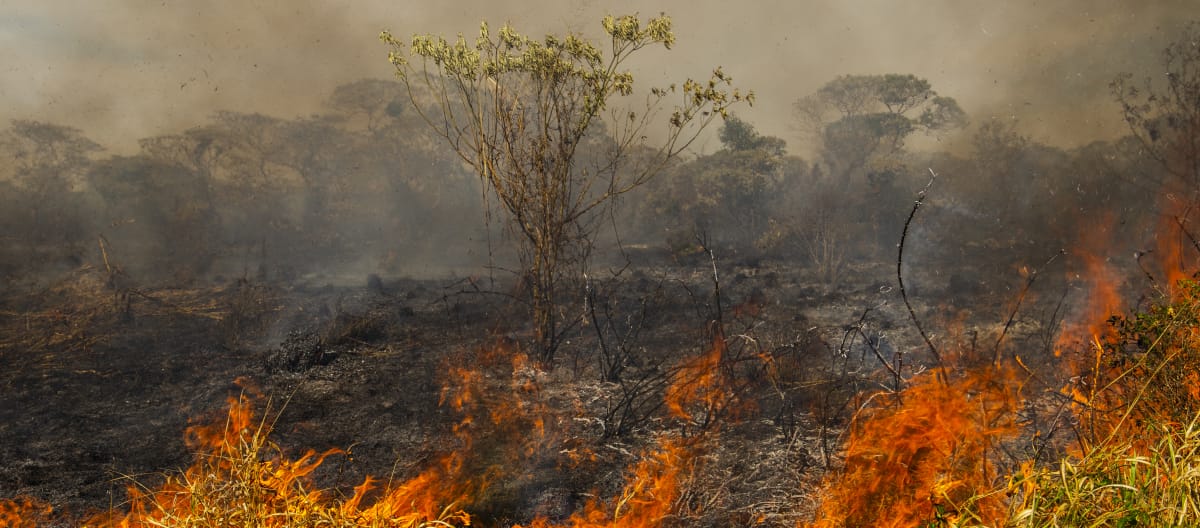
{"x": 1081, "y": 341}
{"x": 1170, "y": 255}
{"x": 233, "y": 483}
{"x": 24, "y": 512}
{"x": 240, "y": 478}
{"x": 698, "y": 384}
{"x": 699, "y": 394}
{"x": 920, "y": 455}
{"x": 1103, "y": 300}
{"x": 649, "y": 494}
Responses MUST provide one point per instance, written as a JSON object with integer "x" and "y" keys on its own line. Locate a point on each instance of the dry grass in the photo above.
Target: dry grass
{"x": 1122, "y": 485}
{"x": 240, "y": 478}
{"x": 939, "y": 453}
{"x": 1138, "y": 463}
{"x": 84, "y": 310}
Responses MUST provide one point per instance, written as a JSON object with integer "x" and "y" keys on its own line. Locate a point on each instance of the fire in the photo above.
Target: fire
{"x": 1103, "y": 298}
{"x": 922, "y": 454}
{"x": 699, "y": 394}
{"x": 24, "y": 512}
{"x": 698, "y": 383}
{"x": 1173, "y": 240}
{"x": 240, "y": 478}
{"x": 429, "y": 497}
{"x": 649, "y": 494}
{"x": 1106, "y": 387}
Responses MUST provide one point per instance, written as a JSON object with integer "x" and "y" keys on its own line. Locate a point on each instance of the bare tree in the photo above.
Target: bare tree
{"x": 1165, "y": 116}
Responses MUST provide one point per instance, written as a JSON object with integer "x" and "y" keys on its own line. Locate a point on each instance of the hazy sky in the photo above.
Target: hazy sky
{"x": 122, "y": 70}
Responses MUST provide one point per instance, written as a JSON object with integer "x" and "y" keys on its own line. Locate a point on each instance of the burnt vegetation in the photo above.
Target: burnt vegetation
{"x": 719, "y": 338}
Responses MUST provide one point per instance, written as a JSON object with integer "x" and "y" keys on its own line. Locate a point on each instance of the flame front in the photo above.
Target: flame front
{"x": 649, "y": 494}
{"x": 239, "y": 478}
{"x": 921, "y": 454}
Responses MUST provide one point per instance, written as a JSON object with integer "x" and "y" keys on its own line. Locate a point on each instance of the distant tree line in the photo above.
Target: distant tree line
{"x": 367, "y": 183}
{"x": 240, "y": 194}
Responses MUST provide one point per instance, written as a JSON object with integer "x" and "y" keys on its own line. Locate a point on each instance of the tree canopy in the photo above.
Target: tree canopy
{"x": 856, "y": 119}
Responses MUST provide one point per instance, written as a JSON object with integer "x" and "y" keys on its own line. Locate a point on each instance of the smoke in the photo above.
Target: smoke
{"x": 123, "y": 70}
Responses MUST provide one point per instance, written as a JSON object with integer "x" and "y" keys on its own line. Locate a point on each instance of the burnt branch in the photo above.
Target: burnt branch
{"x": 1012, "y": 316}
{"x": 900, "y": 275}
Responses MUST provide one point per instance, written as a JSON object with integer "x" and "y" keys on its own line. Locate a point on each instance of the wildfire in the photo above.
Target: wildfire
{"x": 698, "y": 384}
{"x": 921, "y": 455}
{"x": 240, "y": 478}
{"x": 927, "y": 455}
{"x": 23, "y": 512}
{"x": 1103, "y": 298}
{"x": 649, "y": 494}
{"x": 1173, "y": 267}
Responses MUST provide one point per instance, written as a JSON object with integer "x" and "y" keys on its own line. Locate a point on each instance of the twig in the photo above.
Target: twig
{"x": 858, "y": 328}
{"x": 702, "y": 238}
{"x": 1137, "y": 257}
{"x": 1187, "y": 233}
{"x": 104, "y": 253}
{"x": 589, "y": 301}
{"x": 900, "y": 266}
{"x": 1020, "y": 298}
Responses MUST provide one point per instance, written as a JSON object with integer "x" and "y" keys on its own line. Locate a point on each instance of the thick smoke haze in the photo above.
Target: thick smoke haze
{"x": 124, "y": 70}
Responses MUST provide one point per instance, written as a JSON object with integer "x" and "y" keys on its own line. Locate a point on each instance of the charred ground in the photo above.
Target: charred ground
{"x": 100, "y": 388}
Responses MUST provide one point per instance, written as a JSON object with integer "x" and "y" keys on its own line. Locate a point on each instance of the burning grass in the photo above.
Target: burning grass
{"x": 924, "y": 454}
{"x": 240, "y": 477}
{"x": 939, "y": 453}
{"x": 953, "y": 448}
{"x": 957, "y": 446}
{"x": 1129, "y": 484}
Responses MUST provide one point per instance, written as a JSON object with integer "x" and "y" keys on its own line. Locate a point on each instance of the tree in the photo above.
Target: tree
{"x": 47, "y": 164}
{"x": 1165, "y": 116}
{"x": 311, "y": 149}
{"x": 1000, "y": 163}
{"x": 860, "y": 120}
{"x": 370, "y": 100}
{"x": 517, "y": 111}
{"x": 163, "y": 206}
{"x": 728, "y": 194}
{"x": 860, "y": 124}
{"x": 404, "y": 179}
{"x": 738, "y": 136}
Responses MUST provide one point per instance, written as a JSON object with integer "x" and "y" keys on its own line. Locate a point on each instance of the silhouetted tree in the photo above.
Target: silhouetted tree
{"x": 374, "y": 101}
{"x": 859, "y": 120}
{"x": 162, "y": 210}
{"x": 47, "y": 163}
{"x": 1164, "y": 115}
{"x": 728, "y": 194}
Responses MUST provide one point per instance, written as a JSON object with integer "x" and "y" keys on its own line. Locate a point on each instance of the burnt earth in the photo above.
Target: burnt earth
{"x": 82, "y": 419}
{"x": 105, "y": 404}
